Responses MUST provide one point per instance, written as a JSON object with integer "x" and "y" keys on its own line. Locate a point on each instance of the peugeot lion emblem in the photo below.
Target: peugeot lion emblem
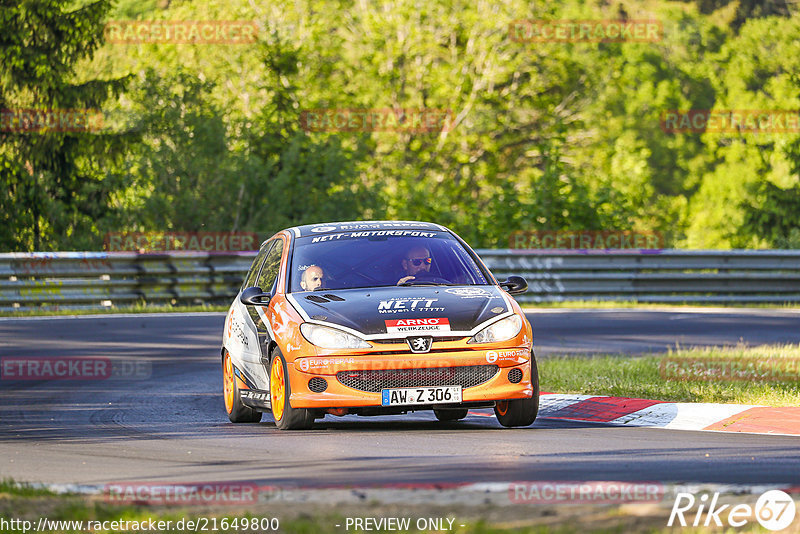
{"x": 420, "y": 344}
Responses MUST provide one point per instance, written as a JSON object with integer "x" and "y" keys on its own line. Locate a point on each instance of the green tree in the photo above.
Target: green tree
{"x": 53, "y": 181}
{"x": 749, "y": 174}
{"x": 300, "y": 178}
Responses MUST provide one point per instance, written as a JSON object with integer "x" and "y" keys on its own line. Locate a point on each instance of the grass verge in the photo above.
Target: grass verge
{"x": 767, "y": 375}
{"x": 21, "y": 512}
{"x": 136, "y": 308}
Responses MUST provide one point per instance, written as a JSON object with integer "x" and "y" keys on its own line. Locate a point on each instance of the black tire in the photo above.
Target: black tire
{"x": 239, "y": 413}
{"x": 450, "y": 415}
{"x": 520, "y": 412}
{"x": 290, "y": 418}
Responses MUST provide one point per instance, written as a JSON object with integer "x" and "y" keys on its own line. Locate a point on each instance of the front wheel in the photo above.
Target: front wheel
{"x": 237, "y": 411}
{"x": 280, "y": 390}
{"x": 520, "y": 412}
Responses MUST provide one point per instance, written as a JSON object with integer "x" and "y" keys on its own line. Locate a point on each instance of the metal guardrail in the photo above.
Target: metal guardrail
{"x": 702, "y": 276}
{"x": 96, "y": 279}
{"x": 76, "y": 280}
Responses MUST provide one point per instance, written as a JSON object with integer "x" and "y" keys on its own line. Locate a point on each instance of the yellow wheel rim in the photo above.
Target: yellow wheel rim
{"x": 277, "y": 388}
{"x": 227, "y": 382}
{"x": 502, "y": 407}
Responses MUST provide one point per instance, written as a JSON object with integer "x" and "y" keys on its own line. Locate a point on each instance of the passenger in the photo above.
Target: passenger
{"x": 416, "y": 262}
{"x": 312, "y": 278}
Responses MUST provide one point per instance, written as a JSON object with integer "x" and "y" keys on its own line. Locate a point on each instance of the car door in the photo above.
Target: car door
{"x": 267, "y": 280}
{"x": 252, "y": 356}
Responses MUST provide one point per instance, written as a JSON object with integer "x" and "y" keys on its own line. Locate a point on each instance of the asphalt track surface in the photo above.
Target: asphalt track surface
{"x": 171, "y": 427}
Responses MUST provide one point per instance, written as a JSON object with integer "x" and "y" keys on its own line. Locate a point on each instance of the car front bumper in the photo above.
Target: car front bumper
{"x": 338, "y": 395}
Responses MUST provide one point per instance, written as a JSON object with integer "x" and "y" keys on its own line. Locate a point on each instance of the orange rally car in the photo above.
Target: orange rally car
{"x": 376, "y": 318}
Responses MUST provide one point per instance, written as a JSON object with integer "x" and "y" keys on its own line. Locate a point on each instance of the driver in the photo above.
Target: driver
{"x": 417, "y": 261}
{"x": 312, "y": 278}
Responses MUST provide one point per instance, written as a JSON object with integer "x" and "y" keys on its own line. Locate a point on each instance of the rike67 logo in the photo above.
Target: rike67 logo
{"x": 774, "y": 510}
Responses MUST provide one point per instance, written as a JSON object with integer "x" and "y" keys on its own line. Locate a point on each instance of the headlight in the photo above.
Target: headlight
{"x": 331, "y": 338}
{"x": 500, "y": 331}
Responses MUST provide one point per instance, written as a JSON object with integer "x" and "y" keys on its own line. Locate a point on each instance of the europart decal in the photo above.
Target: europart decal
{"x": 511, "y": 355}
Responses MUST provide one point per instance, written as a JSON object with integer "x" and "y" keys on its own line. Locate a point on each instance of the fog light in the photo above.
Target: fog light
{"x": 317, "y": 384}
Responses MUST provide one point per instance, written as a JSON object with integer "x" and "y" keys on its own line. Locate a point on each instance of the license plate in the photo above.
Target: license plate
{"x": 421, "y": 395}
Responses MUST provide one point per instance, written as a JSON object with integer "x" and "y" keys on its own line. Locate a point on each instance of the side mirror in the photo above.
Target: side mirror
{"x": 253, "y": 296}
{"x": 515, "y": 285}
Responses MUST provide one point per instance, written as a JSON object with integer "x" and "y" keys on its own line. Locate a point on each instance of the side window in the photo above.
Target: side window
{"x": 269, "y": 273}
{"x": 250, "y": 278}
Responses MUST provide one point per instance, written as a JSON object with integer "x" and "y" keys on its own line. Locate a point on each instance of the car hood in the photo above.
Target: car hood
{"x": 420, "y": 310}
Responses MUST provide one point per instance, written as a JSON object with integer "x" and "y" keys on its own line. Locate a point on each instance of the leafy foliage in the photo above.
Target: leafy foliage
{"x": 550, "y": 135}
{"x": 53, "y": 190}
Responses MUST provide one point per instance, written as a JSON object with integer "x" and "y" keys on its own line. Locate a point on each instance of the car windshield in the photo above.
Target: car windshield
{"x": 381, "y": 258}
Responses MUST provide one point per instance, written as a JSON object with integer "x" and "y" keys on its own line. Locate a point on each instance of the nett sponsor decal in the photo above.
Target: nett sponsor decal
{"x": 408, "y": 304}
{"x": 372, "y": 233}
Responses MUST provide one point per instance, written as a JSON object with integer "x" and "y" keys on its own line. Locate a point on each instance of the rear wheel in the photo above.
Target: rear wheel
{"x": 520, "y": 412}
{"x": 280, "y": 390}
{"x": 237, "y": 411}
{"x": 450, "y": 415}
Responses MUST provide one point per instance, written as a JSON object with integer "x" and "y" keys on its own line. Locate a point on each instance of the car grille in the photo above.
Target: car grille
{"x": 396, "y": 340}
{"x": 374, "y": 381}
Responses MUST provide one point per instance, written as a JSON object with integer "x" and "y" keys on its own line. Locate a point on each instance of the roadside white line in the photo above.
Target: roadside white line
{"x": 477, "y": 493}
{"x": 667, "y": 415}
